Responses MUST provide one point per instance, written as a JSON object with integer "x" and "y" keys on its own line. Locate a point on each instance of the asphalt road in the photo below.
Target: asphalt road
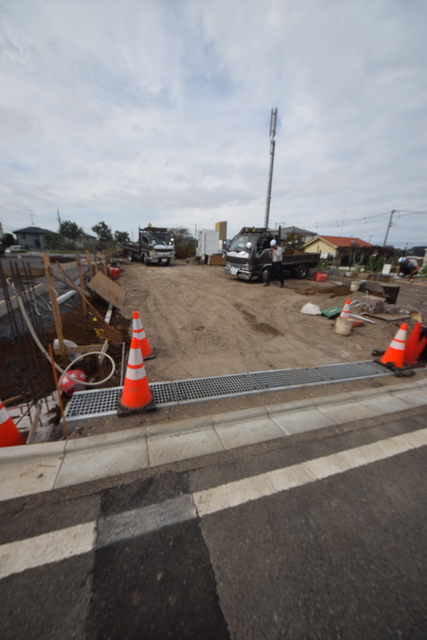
{"x": 131, "y": 557}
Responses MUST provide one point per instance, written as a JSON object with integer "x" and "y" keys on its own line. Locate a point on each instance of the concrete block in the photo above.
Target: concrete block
{"x": 29, "y": 469}
{"x": 416, "y": 398}
{"x": 300, "y": 421}
{"x": 103, "y": 456}
{"x": 349, "y": 412}
{"x": 180, "y": 426}
{"x": 385, "y": 404}
{"x": 239, "y": 416}
{"x": 248, "y": 432}
{"x": 272, "y": 409}
{"x": 166, "y": 449}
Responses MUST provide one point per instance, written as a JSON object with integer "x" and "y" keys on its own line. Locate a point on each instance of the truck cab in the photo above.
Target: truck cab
{"x": 248, "y": 255}
{"x": 155, "y": 246}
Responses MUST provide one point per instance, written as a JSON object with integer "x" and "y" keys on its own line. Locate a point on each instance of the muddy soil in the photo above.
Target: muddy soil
{"x": 204, "y": 323}
{"x": 26, "y": 375}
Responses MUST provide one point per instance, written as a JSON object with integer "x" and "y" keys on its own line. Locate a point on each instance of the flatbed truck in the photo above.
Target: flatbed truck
{"x": 248, "y": 255}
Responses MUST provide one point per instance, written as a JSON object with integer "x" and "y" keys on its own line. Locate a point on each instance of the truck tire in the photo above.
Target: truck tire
{"x": 167, "y": 262}
{"x": 264, "y": 275}
{"x": 300, "y": 271}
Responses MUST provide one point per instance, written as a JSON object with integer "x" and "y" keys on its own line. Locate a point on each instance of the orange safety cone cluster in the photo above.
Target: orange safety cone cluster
{"x": 139, "y": 333}
{"x": 9, "y": 434}
{"x": 415, "y": 345}
{"x": 136, "y": 395}
{"x": 345, "y": 313}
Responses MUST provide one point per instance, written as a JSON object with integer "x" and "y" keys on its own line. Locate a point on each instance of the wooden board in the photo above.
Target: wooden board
{"x": 387, "y": 317}
{"x": 107, "y": 289}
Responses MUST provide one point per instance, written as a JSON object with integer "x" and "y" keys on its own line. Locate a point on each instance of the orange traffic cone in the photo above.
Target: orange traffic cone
{"x": 138, "y": 332}
{"x": 9, "y": 434}
{"x": 394, "y": 355}
{"x": 414, "y": 345}
{"x": 345, "y": 313}
{"x": 136, "y": 395}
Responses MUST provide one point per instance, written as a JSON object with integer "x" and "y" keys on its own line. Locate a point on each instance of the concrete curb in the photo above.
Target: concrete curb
{"x": 43, "y": 467}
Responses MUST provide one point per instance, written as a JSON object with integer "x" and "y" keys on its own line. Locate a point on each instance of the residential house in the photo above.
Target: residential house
{"x": 302, "y": 234}
{"x": 32, "y": 237}
{"x": 345, "y": 250}
{"x": 86, "y": 241}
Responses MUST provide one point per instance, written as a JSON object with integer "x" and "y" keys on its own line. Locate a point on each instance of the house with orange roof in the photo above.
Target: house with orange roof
{"x": 337, "y": 247}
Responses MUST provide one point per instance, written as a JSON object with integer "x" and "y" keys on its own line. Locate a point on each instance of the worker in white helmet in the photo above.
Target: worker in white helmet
{"x": 276, "y": 269}
{"x": 408, "y": 267}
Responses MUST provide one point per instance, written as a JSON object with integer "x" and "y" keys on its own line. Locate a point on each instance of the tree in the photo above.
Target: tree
{"x": 104, "y": 233}
{"x": 52, "y": 240}
{"x": 292, "y": 242}
{"x": 121, "y": 237}
{"x": 7, "y": 240}
{"x": 185, "y": 243}
{"x": 70, "y": 230}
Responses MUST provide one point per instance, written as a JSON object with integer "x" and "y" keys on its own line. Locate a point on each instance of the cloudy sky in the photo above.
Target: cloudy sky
{"x": 158, "y": 111}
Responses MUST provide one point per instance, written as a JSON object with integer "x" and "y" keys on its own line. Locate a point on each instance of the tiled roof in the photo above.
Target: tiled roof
{"x": 36, "y": 230}
{"x": 340, "y": 241}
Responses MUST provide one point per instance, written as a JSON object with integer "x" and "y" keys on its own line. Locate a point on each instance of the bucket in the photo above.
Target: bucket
{"x": 343, "y": 326}
{"x": 354, "y": 285}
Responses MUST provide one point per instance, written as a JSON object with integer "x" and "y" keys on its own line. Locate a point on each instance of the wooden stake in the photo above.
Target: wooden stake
{"x": 55, "y": 307}
{"x": 61, "y": 404}
{"x": 110, "y": 332}
{"x": 82, "y": 283}
{"x": 88, "y": 263}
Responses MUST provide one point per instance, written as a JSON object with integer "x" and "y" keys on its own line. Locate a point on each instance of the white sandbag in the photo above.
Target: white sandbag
{"x": 311, "y": 309}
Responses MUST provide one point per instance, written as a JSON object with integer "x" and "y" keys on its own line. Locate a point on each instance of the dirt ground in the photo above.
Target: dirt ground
{"x": 202, "y": 323}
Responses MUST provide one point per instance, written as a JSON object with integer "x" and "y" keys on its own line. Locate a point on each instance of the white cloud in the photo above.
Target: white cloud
{"x": 158, "y": 111}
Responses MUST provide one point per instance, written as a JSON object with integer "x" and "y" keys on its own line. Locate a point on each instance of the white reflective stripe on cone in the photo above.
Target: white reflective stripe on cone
{"x": 135, "y": 357}
{"x": 135, "y": 373}
{"x": 137, "y": 325}
{"x": 3, "y": 414}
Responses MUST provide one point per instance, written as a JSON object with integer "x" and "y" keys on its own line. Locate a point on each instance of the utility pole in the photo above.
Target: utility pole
{"x": 390, "y": 224}
{"x": 273, "y": 122}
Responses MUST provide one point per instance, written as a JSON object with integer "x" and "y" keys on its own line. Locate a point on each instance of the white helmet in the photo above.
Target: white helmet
{"x": 273, "y": 243}
{"x": 401, "y": 259}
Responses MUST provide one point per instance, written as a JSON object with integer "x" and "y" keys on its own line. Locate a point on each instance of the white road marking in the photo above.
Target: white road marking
{"x": 130, "y": 524}
{"x": 54, "y": 546}
{"x": 236, "y": 493}
{"x": 48, "y": 547}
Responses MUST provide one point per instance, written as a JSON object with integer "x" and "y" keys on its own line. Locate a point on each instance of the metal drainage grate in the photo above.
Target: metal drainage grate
{"x": 103, "y": 402}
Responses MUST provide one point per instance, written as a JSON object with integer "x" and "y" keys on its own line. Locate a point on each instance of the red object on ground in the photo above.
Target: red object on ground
{"x": 9, "y": 434}
{"x": 321, "y": 277}
{"x": 115, "y": 273}
{"x": 76, "y": 384}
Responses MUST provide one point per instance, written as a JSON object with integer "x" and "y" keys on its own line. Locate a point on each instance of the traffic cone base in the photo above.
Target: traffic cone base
{"x": 138, "y": 332}
{"x": 10, "y": 436}
{"x": 136, "y": 396}
{"x": 394, "y": 355}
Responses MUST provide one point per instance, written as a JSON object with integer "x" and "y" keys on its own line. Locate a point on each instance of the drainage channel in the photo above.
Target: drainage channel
{"x": 103, "y": 402}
